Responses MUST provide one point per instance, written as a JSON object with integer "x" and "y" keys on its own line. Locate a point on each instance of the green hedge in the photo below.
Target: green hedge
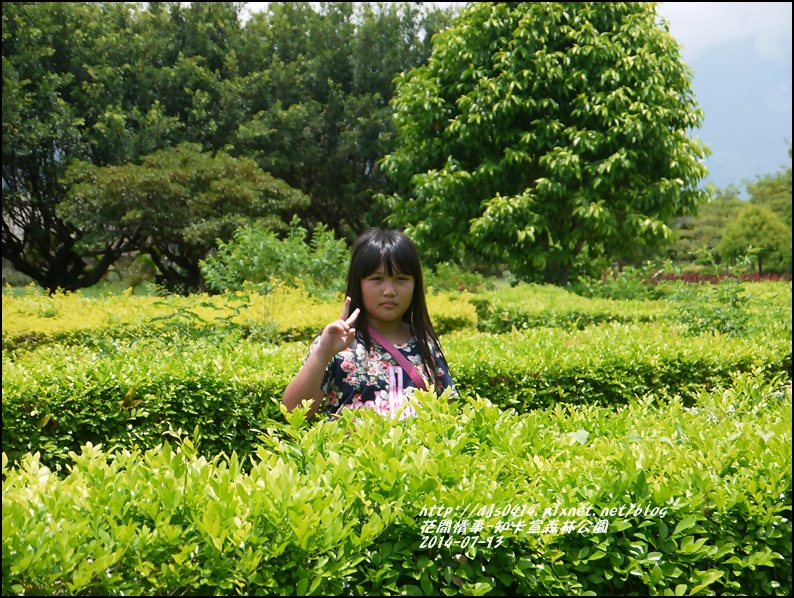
{"x": 533, "y": 306}
{"x": 284, "y": 315}
{"x": 134, "y": 394}
{"x": 343, "y": 508}
{"x": 730, "y": 305}
{"x": 607, "y": 364}
{"x": 128, "y": 394}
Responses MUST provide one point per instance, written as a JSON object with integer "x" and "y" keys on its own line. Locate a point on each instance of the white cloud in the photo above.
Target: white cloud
{"x": 701, "y": 25}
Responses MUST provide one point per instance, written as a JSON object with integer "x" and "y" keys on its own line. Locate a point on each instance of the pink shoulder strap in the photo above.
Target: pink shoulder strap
{"x": 401, "y": 359}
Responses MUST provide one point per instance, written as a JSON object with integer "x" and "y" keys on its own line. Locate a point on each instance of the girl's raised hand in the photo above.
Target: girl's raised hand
{"x": 339, "y": 334}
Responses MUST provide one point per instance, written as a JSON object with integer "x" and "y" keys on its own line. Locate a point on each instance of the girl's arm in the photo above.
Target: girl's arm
{"x": 307, "y": 384}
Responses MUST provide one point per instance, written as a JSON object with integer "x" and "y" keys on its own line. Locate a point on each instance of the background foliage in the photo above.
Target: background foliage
{"x": 305, "y": 92}
{"x": 185, "y": 139}
{"x": 541, "y": 133}
{"x": 262, "y": 259}
{"x": 302, "y": 92}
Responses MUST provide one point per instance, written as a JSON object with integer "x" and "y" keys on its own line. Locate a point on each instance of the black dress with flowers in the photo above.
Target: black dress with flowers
{"x": 357, "y": 379}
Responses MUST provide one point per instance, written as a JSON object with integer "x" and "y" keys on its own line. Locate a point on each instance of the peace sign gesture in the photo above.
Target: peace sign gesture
{"x": 339, "y": 334}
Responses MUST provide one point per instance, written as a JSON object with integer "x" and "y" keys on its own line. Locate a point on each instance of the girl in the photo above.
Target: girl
{"x": 391, "y": 351}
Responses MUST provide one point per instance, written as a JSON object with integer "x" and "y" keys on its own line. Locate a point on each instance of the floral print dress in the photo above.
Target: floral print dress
{"x": 357, "y": 379}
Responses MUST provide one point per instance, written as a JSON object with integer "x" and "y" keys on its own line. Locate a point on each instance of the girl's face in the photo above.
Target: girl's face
{"x": 387, "y": 298}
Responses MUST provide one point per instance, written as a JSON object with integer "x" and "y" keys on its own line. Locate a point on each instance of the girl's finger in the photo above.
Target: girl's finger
{"x": 353, "y": 317}
{"x": 345, "y": 309}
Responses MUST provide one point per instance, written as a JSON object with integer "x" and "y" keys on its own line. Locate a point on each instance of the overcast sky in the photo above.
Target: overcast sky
{"x": 698, "y": 26}
{"x": 740, "y": 53}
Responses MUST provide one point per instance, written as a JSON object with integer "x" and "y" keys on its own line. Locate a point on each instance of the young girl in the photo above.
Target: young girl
{"x": 383, "y": 345}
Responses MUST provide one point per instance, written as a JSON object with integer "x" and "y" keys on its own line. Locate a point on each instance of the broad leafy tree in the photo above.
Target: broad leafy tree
{"x": 303, "y": 91}
{"x": 177, "y": 203}
{"x": 541, "y": 132}
{"x": 61, "y": 101}
{"x": 773, "y": 191}
{"x": 318, "y": 85}
{"x": 102, "y": 83}
{"x": 703, "y": 232}
{"x": 760, "y": 231}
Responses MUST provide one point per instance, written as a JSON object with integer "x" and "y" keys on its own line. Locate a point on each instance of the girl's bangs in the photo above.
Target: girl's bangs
{"x": 395, "y": 259}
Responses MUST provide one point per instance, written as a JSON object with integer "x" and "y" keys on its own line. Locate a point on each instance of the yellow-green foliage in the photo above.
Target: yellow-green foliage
{"x": 298, "y": 315}
{"x": 609, "y": 410}
{"x": 451, "y": 311}
{"x": 295, "y": 313}
{"x": 730, "y": 306}
{"x": 62, "y": 313}
{"x": 536, "y": 298}
{"x": 532, "y": 306}
{"x": 768, "y": 295}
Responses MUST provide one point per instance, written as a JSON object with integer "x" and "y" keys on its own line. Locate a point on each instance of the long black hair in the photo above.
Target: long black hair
{"x": 396, "y": 252}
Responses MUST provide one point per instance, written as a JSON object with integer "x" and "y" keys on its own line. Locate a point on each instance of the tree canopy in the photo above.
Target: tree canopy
{"x": 761, "y": 232}
{"x": 302, "y": 91}
{"x": 175, "y": 204}
{"x": 773, "y": 191}
{"x": 703, "y": 232}
{"x": 540, "y": 132}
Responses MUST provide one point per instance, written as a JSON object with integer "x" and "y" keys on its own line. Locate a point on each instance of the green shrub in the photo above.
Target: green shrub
{"x": 629, "y": 284}
{"x": 131, "y": 368}
{"x": 669, "y": 500}
{"x": 449, "y": 276}
{"x": 721, "y": 308}
{"x": 532, "y": 306}
{"x": 36, "y": 318}
{"x": 130, "y": 393}
{"x": 285, "y": 314}
{"x": 258, "y": 256}
{"x": 607, "y": 364}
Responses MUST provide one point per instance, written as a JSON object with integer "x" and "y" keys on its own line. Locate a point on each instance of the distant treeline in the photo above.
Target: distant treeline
{"x": 302, "y": 92}
{"x": 161, "y": 130}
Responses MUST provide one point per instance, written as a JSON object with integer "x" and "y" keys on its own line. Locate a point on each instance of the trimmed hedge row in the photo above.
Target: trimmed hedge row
{"x": 134, "y": 394}
{"x": 288, "y": 314}
{"x": 532, "y": 306}
{"x": 607, "y": 364}
{"x": 128, "y": 394}
{"x": 661, "y": 499}
{"x": 284, "y": 315}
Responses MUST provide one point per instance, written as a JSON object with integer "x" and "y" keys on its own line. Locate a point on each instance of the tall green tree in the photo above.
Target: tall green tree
{"x": 304, "y": 92}
{"x": 61, "y": 100}
{"x": 103, "y": 83}
{"x": 773, "y": 191}
{"x": 540, "y": 132}
{"x": 760, "y": 231}
{"x": 178, "y": 202}
{"x": 318, "y": 83}
{"x": 703, "y": 232}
